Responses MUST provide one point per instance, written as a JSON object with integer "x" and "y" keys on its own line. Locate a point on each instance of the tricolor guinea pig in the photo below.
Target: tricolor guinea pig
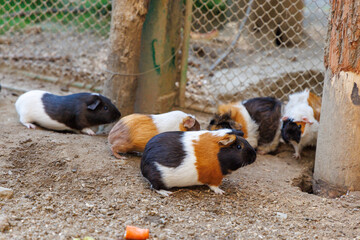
{"x": 132, "y": 132}
{"x": 75, "y": 112}
{"x": 301, "y": 120}
{"x": 181, "y": 159}
{"x": 259, "y": 119}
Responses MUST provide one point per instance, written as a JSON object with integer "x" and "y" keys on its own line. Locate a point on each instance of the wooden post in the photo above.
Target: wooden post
{"x": 337, "y": 163}
{"x": 160, "y": 42}
{"x": 185, "y": 52}
{"x": 127, "y": 20}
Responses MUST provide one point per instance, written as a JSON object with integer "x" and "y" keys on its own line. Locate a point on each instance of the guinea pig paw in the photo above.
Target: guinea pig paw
{"x": 30, "y": 125}
{"x": 217, "y": 190}
{"x": 296, "y": 156}
{"x": 118, "y": 156}
{"x": 88, "y": 131}
{"x": 261, "y": 152}
{"x": 163, "y": 192}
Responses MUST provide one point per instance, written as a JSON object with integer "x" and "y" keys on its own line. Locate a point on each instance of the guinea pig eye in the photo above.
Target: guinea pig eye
{"x": 212, "y": 122}
{"x": 106, "y": 108}
{"x": 238, "y": 147}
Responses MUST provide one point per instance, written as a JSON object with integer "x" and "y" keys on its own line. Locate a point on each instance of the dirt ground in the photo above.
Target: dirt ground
{"x": 69, "y": 185}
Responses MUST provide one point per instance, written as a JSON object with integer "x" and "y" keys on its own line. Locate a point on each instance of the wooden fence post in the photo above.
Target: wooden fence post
{"x": 160, "y": 42}
{"x": 337, "y": 163}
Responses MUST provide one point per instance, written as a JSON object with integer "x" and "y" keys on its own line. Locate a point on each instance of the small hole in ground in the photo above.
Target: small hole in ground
{"x": 304, "y": 182}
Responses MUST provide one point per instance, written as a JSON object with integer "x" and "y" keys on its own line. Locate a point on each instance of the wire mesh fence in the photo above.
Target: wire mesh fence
{"x": 238, "y": 48}
{"x": 62, "y": 41}
{"x": 250, "y": 48}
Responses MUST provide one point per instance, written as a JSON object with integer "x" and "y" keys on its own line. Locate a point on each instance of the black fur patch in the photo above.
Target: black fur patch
{"x": 73, "y": 111}
{"x": 235, "y": 156}
{"x": 170, "y": 154}
{"x": 266, "y": 112}
{"x": 223, "y": 121}
{"x": 290, "y": 131}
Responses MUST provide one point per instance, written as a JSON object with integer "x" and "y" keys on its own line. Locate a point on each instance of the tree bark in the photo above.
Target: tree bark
{"x": 127, "y": 20}
{"x": 337, "y": 163}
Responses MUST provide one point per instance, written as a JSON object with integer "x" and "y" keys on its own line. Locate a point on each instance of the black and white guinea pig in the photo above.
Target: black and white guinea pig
{"x": 301, "y": 120}
{"x": 259, "y": 119}
{"x": 75, "y": 112}
{"x": 181, "y": 159}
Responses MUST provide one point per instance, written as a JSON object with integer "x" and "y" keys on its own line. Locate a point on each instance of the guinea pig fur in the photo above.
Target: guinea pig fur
{"x": 263, "y": 115}
{"x": 132, "y": 132}
{"x": 242, "y": 121}
{"x": 181, "y": 159}
{"x": 301, "y": 120}
{"x": 75, "y": 112}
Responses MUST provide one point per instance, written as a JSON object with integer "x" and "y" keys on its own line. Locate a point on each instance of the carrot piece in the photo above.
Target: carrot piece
{"x": 136, "y": 233}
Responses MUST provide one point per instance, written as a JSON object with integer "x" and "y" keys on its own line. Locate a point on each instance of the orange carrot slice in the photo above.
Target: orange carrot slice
{"x": 136, "y": 233}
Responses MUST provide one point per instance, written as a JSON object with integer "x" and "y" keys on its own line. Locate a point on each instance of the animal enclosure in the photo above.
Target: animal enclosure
{"x": 237, "y": 49}
{"x": 69, "y": 186}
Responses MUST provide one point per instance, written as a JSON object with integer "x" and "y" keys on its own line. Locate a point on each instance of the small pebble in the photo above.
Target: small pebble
{"x": 6, "y": 193}
{"x": 282, "y": 216}
{"x": 4, "y": 223}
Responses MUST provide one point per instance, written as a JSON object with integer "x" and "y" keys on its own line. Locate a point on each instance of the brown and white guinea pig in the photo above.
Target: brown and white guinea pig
{"x": 301, "y": 120}
{"x": 132, "y": 132}
{"x": 181, "y": 159}
{"x": 259, "y": 119}
{"x": 75, "y": 112}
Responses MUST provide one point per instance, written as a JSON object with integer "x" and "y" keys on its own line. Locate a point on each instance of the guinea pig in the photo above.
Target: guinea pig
{"x": 259, "y": 119}
{"x": 132, "y": 132}
{"x": 301, "y": 120}
{"x": 181, "y": 159}
{"x": 75, "y": 112}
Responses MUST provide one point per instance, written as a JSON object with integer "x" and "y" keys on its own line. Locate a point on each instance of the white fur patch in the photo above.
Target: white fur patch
{"x": 297, "y": 108}
{"x": 219, "y": 133}
{"x": 169, "y": 121}
{"x": 252, "y": 127}
{"x": 31, "y": 110}
{"x": 185, "y": 174}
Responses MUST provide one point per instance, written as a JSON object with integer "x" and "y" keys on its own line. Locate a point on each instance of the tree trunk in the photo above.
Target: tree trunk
{"x": 127, "y": 20}
{"x": 337, "y": 163}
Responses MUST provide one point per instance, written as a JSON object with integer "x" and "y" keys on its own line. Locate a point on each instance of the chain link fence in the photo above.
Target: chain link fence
{"x": 63, "y": 41}
{"x": 238, "y": 48}
{"x": 250, "y": 48}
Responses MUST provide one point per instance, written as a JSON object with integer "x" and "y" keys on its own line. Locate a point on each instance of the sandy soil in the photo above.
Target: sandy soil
{"x": 69, "y": 185}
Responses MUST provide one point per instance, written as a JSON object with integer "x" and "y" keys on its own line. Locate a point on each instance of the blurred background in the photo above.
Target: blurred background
{"x": 237, "y": 49}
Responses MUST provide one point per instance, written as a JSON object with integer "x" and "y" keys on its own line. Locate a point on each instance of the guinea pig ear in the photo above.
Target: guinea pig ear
{"x": 92, "y": 106}
{"x": 189, "y": 122}
{"x": 306, "y": 120}
{"x": 284, "y": 118}
{"x": 227, "y": 140}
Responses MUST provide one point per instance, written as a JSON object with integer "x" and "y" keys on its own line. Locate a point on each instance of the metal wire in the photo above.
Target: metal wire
{"x": 252, "y": 47}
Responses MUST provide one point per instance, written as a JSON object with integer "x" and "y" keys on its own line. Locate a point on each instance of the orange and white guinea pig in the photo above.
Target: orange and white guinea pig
{"x": 301, "y": 120}
{"x": 132, "y": 132}
{"x": 259, "y": 119}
